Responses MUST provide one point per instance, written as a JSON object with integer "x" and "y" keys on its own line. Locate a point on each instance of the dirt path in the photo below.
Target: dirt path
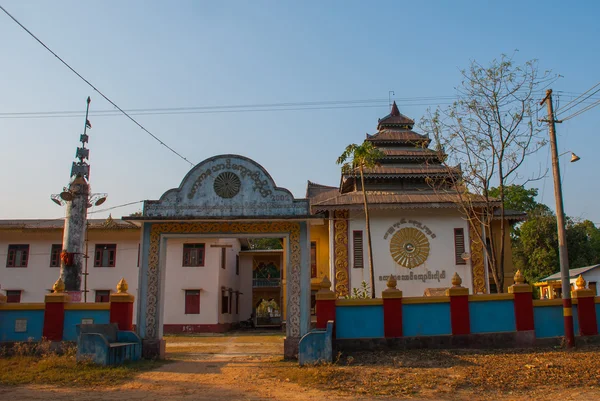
{"x": 232, "y": 367}
{"x": 210, "y": 368}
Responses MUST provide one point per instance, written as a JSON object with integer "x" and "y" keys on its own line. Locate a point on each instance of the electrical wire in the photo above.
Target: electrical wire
{"x": 96, "y": 89}
{"x": 591, "y": 106}
{"x": 577, "y": 103}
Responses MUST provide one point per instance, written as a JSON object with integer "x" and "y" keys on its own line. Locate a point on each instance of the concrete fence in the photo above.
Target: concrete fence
{"x": 454, "y": 320}
{"x": 55, "y": 319}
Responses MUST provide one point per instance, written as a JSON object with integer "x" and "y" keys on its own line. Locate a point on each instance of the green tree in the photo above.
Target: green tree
{"x": 517, "y": 197}
{"x": 359, "y": 157}
{"x": 265, "y": 243}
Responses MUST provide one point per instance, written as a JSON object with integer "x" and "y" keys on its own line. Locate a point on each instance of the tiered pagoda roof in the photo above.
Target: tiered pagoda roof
{"x": 402, "y": 177}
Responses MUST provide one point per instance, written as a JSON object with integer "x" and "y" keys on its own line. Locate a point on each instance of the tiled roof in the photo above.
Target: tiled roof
{"x": 335, "y": 200}
{"x": 312, "y": 189}
{"x": 401, "y": 136}
{"x": 395, "y": 118}
{"x": 409, "y": 152}
{"x": 58, "y": 224}
{"x": 423, "y": 170}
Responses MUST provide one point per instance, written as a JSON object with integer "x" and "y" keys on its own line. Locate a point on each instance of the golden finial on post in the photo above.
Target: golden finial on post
{"x": 519, "y": 279}
{"x": 325, "y": 284}
{"x": 580, "y": 283}
{"x": 391, "y": 283}
{"x": 325, "y": 292}
{"x": 122, "y": 286}
{"x": 59, "y": 286}
{"x": 456, "y": 280}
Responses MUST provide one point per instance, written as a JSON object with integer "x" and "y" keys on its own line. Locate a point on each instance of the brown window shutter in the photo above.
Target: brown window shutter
{"x": 459, "y": 246}
{"x": 357, "y": 242}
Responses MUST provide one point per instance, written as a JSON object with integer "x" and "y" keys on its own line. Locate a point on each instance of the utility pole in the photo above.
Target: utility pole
{"x": 560, "y": 219}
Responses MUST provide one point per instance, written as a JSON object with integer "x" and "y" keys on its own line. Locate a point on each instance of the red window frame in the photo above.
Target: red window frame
{"x": 55, "y": 251}
{"x": 102, "y": 296}
{"x": 13, "y": 296}
{"x": 192, "y": 302}
{"x": 99, "y": 253}
{"x": 13, "y": 251}
{"x": 193, "y": 255}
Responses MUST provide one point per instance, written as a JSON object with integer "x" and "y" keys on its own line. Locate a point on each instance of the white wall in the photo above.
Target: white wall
{"x": 228, "y": 279}
{"x": 441, "y": 222}
{"x": 208, "y": 278}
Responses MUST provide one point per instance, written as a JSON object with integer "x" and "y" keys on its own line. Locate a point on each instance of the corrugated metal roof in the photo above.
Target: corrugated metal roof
{"x": 58, "y": 224}
{"x": 573, "y": 273}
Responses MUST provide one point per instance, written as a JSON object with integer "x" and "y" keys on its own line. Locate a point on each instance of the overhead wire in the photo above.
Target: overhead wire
{"x": 591, "y": 106}
{"x": 96, "y": 89}
{"x": 561, "y": 111}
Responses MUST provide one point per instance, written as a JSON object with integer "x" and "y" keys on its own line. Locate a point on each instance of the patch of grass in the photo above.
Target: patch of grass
{"x": 64, "y": 370}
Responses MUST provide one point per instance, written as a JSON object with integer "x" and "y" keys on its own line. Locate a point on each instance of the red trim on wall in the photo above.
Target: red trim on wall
{"x": 586, "y": 312}
{"x": 459, "y": 311}
{"x": 392, "y": 317}
{"x": 196, "y": 328}
{"x": 54, "y": 321}
{"x": 523, "y": 311}
{"x": 325, "y": 312}
{"x": 121, "y": 313}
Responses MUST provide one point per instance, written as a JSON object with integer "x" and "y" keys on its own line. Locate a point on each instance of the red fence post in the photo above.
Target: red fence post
{"x": 586, "y": 308}
{"x": 523, "y": 303}
{"x": 325, "y": 304}
{"x": 121, "y": 307}
{"x": 54, "y": 312}
{"x": 392, "y": 309}
{"x": 459, "y": 307}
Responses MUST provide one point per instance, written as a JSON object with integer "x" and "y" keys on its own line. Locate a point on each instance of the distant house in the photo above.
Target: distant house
{"x": 550, "y": 287}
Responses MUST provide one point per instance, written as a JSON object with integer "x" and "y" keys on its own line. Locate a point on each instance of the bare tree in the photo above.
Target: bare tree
{"x": 489, "y": 132}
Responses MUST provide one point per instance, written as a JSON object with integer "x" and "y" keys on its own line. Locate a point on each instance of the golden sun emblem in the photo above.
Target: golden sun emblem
{"x": 409, "y": 247}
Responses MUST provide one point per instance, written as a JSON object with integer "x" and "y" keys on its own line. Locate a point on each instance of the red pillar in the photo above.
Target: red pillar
{"x": 523, "y": 303}
{"x": 392, "y": 309}
{"x": 325, "y": 304}
{"x": 54, "y": 312}
{"x": 586, "y": 309}
{"x": 459, "y": 307}
{"x": 121, "y": 307}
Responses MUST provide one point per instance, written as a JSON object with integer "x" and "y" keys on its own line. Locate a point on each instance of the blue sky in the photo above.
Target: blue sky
{"x": 192, "y": 53}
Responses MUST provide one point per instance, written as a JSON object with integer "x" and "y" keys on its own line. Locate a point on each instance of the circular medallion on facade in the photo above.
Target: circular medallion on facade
{"x": 409, "y": 247}
{"x": 227, "y": 185}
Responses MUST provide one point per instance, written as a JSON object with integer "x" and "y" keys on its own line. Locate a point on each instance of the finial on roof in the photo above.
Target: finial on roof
{"x": 395, "y": 111}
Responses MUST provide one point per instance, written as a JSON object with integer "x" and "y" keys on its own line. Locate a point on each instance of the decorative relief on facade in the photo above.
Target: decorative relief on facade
{"x": 227, "y": 185}
{"x": 340, "y": 249}
{"x": 293, "y": 313}
{"x": 477, "y": 263}
{"x": 409, "y": 247}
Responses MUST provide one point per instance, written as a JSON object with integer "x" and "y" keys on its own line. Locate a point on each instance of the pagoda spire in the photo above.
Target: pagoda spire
{"x": 395, "y": 112}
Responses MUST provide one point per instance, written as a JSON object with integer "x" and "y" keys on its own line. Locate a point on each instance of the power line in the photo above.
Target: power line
{"x": 115, "y": 207}
{"x": 591, "y": 106}
{"x": 94, "y": 88}
{"x": 582, "y": 100}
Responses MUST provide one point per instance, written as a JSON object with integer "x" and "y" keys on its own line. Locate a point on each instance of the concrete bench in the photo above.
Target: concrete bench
{"x": 316, "y": 346}
{"x": 105, "y": 344}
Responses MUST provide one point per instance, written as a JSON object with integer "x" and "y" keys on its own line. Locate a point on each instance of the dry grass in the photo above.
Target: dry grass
{"x": 439, "y": 373}
{"x": 36, "y": 363}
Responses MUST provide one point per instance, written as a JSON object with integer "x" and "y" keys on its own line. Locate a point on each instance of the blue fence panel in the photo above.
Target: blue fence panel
{"x": 598, "y": 316}
{"x": 548, "y": 321}
{"x": 492, "y": 316}
{"x": 360, "y": 321}
{"x": 21, "y": 325}
{"x": 74, "y": 317}
{"x": 431, "y": 319}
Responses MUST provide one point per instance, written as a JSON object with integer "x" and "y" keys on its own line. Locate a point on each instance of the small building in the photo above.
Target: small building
{"x": 551, "y": 287}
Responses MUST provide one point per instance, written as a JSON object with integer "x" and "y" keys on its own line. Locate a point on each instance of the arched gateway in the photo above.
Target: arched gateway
{"x": 226, "y": 196}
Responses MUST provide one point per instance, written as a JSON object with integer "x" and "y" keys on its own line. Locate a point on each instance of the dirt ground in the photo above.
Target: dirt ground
{"x": 232, "y": 367}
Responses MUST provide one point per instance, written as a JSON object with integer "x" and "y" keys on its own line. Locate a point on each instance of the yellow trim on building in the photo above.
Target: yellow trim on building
{"x": 491, "y": 297}
{"x": 357, "y": 302}
{"x": 14, "y": 306}
{"x": 425, "y": 300}
{"x": 551, "y": 302}
{"x": 88, "y": 306}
